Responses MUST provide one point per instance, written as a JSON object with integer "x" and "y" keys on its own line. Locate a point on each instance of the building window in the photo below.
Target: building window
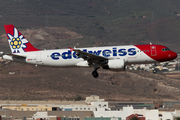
{"x": 88, "y": 108}
{"x": 84, "y": 108}
{"x": 76, "y": 108}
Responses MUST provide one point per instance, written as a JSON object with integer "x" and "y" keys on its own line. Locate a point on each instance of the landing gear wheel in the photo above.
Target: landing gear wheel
{"x": 95, "y": 74}
{"x": 154, "y": 71}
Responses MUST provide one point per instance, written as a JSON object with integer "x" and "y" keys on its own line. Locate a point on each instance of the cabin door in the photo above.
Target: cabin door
{"x": 38, "y": 57}
{"x": 153, "y": 51}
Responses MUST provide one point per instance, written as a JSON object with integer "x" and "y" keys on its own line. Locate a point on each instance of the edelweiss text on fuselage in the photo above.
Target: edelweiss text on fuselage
{"x": 105, "y": 53}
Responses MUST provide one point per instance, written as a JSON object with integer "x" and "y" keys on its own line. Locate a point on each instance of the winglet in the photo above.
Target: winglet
{"x": 71, "y": 49}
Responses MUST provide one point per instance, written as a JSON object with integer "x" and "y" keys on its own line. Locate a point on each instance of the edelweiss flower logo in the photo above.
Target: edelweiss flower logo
{"x": 17, "y": 42}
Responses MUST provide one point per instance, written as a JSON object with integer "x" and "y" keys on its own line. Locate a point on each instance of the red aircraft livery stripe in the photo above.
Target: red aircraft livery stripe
{"x": 157, "y": 52}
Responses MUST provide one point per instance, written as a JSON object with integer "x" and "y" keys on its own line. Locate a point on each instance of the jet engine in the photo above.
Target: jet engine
{"x": 115, "y": 65}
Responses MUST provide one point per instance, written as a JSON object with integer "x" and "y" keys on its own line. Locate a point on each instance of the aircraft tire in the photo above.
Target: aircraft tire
{"x": 154, "y": 71}
{"x": 95, "y": 74}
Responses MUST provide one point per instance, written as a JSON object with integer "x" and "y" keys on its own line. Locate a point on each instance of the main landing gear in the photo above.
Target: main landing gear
{"x": 95, "y": 73}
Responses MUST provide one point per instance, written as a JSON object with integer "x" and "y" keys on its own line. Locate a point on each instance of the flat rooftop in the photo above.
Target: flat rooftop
{"x": 6, "y": 102}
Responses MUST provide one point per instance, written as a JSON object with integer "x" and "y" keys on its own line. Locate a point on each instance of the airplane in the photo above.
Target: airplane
{"x": 114, "y": 58}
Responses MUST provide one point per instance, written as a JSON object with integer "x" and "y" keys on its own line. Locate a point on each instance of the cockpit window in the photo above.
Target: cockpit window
{"x": 165, "y": 49}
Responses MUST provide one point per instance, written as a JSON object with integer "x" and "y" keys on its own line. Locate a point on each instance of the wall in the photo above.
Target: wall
{"x": 152, "y": 115}
{"x": 29, "y": 108}
{"x": 100, "y": 104}
{"x": 126, "y": 111}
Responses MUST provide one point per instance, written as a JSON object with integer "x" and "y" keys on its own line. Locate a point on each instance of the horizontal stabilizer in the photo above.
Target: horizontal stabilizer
{"x": 17, "y": 56}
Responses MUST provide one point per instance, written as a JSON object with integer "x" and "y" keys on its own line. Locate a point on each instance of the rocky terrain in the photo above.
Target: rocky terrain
{"x": 36, "y": 83}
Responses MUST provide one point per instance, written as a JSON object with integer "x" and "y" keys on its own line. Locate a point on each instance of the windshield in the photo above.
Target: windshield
{"x": 165, "y": 49}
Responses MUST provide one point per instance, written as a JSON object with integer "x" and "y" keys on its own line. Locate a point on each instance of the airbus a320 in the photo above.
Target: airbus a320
{"x": 113, "y": 58}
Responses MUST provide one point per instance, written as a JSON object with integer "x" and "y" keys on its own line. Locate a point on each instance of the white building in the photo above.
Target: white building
{"x": 99, "y": 105}
{"x": 77, "y": 107}
{"x": 43, "y": 115}
{"x": 166, "y": 115}
{"x": 93, "y": 102}
{"x": 93, "y": 98}
{"x": 104, "y": 112}
{"x": 149, "y": 114}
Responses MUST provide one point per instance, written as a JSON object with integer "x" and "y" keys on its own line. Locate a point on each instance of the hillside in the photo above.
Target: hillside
{"x": 37, "y": 83}
{"x": 102, "y": 22}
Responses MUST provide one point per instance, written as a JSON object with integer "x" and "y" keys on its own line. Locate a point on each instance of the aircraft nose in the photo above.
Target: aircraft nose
{"x": 173, "y": 55}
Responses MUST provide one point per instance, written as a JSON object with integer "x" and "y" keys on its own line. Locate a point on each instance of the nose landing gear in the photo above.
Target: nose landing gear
{"x": 154, "y": 71}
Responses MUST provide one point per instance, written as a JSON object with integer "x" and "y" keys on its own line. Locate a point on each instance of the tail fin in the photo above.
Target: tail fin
{"x": 17, "y": 42}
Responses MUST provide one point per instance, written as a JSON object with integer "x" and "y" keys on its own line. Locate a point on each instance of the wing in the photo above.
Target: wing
{"x": 91, "y": 58}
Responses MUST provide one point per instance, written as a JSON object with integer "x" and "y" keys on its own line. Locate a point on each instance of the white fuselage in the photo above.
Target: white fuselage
{"x": 113, "y": 58}
{"x": 66, "y": 58}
